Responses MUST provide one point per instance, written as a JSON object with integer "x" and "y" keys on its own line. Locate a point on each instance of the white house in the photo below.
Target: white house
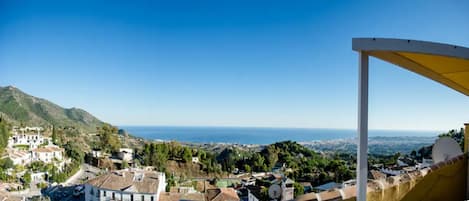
{"x": 126, "y": 185}
{"x": 37, "y": 177}
{"x": 126, "y": 154}
{"x": 19, "y": 157}
{"x": 96, "y": 153}
{"x": 47, "y": 154}
{"x": 195, "y": 159}
{"x": 33, "y": 140}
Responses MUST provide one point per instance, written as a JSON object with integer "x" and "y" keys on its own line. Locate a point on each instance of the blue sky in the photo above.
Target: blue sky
{"x": 229, "y": 63}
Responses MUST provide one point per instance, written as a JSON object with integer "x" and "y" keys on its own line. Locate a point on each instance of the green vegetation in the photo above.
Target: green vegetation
{"x": 73, "y": 150}
{"x": 20, "y": 108}
{"x": 4, "y": 134}
{"x": 21, "y": 146}
{"x": 108, "y": 139}
{"x": 158, "y": 155}
{"x": 26, "y": 179}
{"x": 298, "y": 189}
{"x": 305, "y": 164}
{"x": 5, "y": 163}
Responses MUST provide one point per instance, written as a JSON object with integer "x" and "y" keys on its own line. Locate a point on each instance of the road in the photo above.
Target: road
{"x": 85, "y": 173}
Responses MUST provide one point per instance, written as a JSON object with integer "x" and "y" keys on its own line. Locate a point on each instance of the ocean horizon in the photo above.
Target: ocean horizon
{"x": 257, "y": 135}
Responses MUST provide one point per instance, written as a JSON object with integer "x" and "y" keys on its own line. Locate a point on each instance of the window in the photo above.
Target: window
{"x": 98, "y": 194}
{"x": 143, "y": 198}
{"x": 131, "y": 197}
{"x": 104, "y": 193}
{"x": 113, "y": 196}
{"x": 151, "y": 198}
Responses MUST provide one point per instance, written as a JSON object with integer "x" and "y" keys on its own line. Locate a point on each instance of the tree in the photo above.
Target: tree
{"x": 73, "y": 151}
{"x": 187, "y": 155}
{"x": 108, "y": 138}
{"x": 54, "y": 135}
{"x": 6, "y": 163}
{"x": 26, "y": 179}
{"x": 247, "y": 168}
{"x": 125, "y": 164}
{"x": 4, "y": 134}
{"x": 258, "y": 162}
{"x": 299, "y": 189}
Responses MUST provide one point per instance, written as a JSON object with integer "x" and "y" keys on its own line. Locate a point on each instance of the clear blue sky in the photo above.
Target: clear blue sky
{"x": 229, "y": 63}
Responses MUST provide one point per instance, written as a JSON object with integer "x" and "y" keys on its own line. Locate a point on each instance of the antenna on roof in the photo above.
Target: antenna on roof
{"x": 445, "y": 148}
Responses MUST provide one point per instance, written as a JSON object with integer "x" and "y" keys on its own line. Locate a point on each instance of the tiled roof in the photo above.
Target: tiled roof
{"x": 222, "y": 194}
{"x": 124, "y": 181}
{"x": 330, "y": 195}
{"x": 307, "y": 197}
{"x": 12, "y": 153}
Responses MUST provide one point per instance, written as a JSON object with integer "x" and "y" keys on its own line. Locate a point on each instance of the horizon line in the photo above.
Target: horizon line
{"x": 278, "y": 127}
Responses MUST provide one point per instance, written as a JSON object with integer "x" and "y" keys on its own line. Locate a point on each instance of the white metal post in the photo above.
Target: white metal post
{"x": 362, "y": 153}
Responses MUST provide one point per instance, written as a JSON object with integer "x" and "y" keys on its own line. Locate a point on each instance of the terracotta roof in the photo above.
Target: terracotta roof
{"x": 330, "y": 195}
{"x": 128, "y": 181}
{"x": 12, "y": 153}
{"x": 192, "y": 197}
{"x": 222, "y": 194}
{"x": 166, "y": 196}
{"x": 307, "y": 197}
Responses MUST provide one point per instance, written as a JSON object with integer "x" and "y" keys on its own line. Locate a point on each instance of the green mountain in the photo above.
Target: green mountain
{"x": 18, "y": 108}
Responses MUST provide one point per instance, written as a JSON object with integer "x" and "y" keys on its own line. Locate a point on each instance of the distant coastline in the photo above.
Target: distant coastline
{"x": 257, "y": 135}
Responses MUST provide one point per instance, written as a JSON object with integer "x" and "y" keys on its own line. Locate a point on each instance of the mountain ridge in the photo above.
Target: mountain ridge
{"x": 18, "y": 107}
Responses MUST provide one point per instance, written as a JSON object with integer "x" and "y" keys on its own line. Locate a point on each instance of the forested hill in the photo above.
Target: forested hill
{"x": 18, "y": 108}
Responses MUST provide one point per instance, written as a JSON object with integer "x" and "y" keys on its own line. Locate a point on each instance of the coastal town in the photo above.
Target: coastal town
{"x": 35, "y": 168}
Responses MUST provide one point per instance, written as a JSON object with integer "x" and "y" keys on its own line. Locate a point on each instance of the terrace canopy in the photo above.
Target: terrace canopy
{"x": 443, "y": 63}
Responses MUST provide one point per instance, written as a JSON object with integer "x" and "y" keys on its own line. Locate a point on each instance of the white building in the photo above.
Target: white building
{"x": 287, "y": 189}
{"x": 47, "y": 154}
{"x": 126, "y": 154}
{"x": 126, "y": 185}
{"x": 96, "y": 153}
{"x": 195, "y": 159}
{"x": 33, "y": 140}
{"x": 38, "y": 177}
{"x": 19, "y": 157}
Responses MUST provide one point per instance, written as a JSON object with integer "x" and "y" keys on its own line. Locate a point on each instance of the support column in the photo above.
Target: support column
{"x": 466, "y": 137}
{"x": 362, "y": 153}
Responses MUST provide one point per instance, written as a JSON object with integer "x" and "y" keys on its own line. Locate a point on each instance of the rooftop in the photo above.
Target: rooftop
{"x": 130, "y": 181}
{"x": 221, "y": 194}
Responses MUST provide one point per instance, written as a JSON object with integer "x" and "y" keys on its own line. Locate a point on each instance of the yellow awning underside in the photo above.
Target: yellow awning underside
{"x": 450, "y": 71}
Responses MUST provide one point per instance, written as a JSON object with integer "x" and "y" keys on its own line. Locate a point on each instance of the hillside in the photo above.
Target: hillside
{"x": 18, "y": 108}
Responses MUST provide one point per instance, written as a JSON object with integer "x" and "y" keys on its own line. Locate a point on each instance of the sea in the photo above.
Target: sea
{"x": 254, "y": 135}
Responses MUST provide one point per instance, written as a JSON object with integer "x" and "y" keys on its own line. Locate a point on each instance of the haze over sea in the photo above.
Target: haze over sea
{"x": 253, "y": 135}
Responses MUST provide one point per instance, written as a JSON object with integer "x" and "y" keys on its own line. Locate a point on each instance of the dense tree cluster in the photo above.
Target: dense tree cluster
{"x": 306, "y": 165}
{"x": 158, "y": 154}
{"x": 4, "y": 134}
{"x": 108, "y": 138}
